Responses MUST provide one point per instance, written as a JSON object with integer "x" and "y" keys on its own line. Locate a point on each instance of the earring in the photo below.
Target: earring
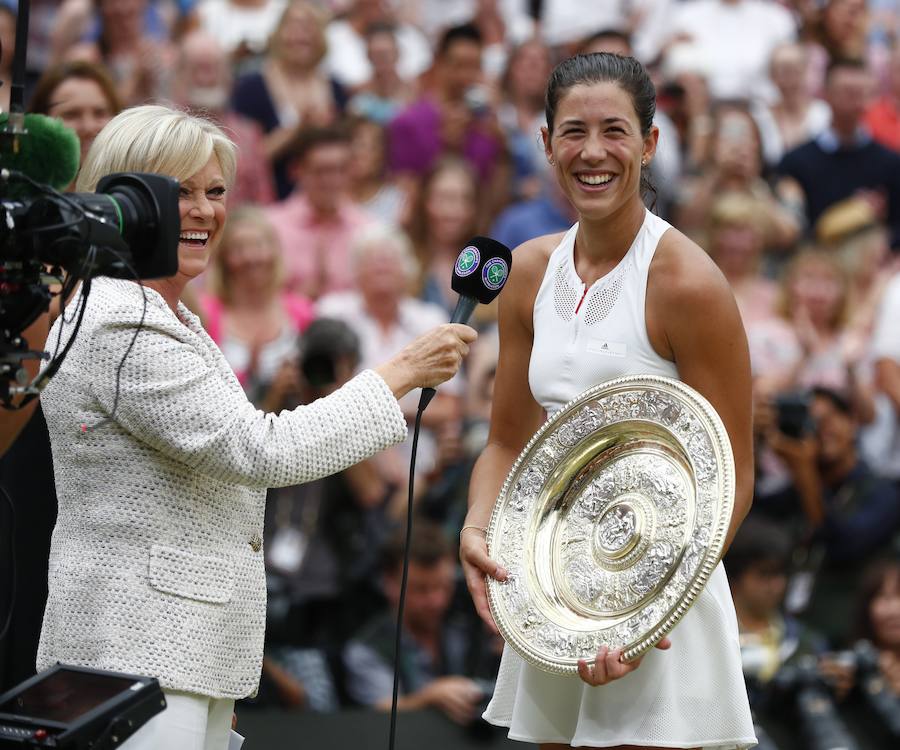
{"x": 643, "y": 162}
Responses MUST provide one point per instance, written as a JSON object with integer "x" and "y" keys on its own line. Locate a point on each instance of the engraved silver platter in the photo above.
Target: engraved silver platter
{"x": 610, "y": 522}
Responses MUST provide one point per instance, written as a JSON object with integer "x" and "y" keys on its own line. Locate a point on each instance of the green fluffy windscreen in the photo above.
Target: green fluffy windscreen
{"x": 48, "y": 154}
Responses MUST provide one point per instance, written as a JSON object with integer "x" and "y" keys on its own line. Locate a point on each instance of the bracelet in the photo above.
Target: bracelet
{"x": 482, "y": 529}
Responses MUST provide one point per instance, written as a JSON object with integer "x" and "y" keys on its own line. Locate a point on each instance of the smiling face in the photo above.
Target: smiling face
{"x": 596, "y": 148}
{"x": 81, "y": 104}
{"x": 201, "y": 205}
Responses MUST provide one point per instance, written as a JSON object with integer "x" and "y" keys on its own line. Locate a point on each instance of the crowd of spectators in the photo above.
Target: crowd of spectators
{"x": 376, "y": 136}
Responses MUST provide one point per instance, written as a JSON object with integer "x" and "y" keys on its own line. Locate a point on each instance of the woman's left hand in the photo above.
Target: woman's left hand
{"x": 609, "y": 666}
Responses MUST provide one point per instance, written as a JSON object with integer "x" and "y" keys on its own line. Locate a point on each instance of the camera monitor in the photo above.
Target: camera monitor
{"x": 76, "y": 707}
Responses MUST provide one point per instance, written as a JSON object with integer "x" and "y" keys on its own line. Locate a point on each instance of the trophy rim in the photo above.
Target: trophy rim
{"x": 715, "y": 428}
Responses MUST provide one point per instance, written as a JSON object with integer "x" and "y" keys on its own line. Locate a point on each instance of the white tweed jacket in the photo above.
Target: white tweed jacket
{"x": 156, "y": 562}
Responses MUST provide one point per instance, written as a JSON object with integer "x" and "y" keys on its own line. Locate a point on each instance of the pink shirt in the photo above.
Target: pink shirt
{"x": 316, "y": 251}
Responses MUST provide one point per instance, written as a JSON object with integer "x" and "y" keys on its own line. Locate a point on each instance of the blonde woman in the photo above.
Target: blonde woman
{"x": 738, "y": 229}
{"x": 291, "y": 92}
{"x": 162, "y": 464}
{"x": 249, "y": 314}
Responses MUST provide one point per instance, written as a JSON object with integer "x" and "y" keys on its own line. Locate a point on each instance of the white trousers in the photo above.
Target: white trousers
{"x": 189, "y": 722}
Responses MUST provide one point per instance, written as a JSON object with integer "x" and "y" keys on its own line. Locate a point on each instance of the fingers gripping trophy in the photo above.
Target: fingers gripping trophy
{"x": 619, "y": 463}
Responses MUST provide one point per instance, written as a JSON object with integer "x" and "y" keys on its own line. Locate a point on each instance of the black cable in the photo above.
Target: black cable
{"x": 12, "y": 563}
{"x": 406, "y": 546}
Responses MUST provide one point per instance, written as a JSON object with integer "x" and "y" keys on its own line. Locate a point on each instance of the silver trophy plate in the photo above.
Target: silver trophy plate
{"x": 610, "y": 522}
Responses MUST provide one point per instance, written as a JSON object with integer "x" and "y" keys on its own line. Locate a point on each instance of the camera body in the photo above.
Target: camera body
{"x": 129, "y": 228}
{"x": 793, "y": 415}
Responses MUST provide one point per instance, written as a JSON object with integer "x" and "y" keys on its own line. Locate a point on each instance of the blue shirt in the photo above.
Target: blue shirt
{"x": 524, "y": 221}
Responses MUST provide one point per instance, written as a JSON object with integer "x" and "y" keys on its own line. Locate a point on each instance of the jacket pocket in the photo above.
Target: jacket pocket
{"x": 205, "y": 579}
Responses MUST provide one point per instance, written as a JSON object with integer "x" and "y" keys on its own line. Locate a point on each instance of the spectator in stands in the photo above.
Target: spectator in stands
{"x": 386, "y": 93}
{"x": 736, "y": 37}
{"x": 243, "y": 27}
{"x": 737, "y": 234}
{"x": 883, "y": 116}
{"x": 444, "y": 217}
{"x": 734, "y": 163}
{"x": 290, "y": 92}
{"x": 796, "y": 116}
{"x": 563, "y": 23}
{"x": 434, "y": 16}
{"x": 835, "y": 30}
{"x": 803, "y": 345}
{"x": 521, "y": 114}
{"x": 316, "y": 224}
{"x": 850, "y": 229}
{"x": 883, "y": 444}
{"x": 758, "y": 563}
{"x": 844, "y": 160}
{"x": 878, "y": 619}
{"x": 438, "y": 650}
{"x": 452, "y": 117}
{"x": 370, "y": 185}
{"x": 247, "y": 311}
{"x": 79, "y": 93}
{"x": 347, "y": 60}
{"x": 321, "y": 540}
{"x": 683, "y": 96}
{"x": 202, "y": 82}
{"x": 382, "y": 312}
{"x": 853, "y": 514}
{"x": 132, "y": 40}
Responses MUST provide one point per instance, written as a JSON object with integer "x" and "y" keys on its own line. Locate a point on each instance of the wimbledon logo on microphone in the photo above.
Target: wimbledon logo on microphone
{"x": 467, "y": 261}
{"x": 494, "y": 273}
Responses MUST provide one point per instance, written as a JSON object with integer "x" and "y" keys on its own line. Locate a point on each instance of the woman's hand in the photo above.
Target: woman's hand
{"x": 476, "y": 564}
{"x": 608, "y": 665}
{"x": 429, "y": 360}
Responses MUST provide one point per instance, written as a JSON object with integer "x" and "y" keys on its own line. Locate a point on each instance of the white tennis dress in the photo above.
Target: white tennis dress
{"x": 692, "y": 695}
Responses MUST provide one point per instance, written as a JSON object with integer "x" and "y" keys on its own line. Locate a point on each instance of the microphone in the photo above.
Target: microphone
{"x": 49, "y": 153}
{"x": 480, "y": 271}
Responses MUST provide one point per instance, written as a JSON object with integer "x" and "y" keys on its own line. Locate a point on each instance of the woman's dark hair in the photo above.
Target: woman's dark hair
{"x": 58, "y": 74}
{"x": 606, "y": 67}
{"x": 870, "y": 585}
{"x": 603, "y": 67}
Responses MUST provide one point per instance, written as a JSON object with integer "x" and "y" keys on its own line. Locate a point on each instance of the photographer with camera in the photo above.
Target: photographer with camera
{"x": 441, "y": 657}
{"x": 161, "y": 462}
{"x": 321, "y": 538}
{"x": 852, "y": 514}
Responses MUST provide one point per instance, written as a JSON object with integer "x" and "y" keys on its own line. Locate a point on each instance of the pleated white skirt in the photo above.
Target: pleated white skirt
{"x": 692, "y": 695}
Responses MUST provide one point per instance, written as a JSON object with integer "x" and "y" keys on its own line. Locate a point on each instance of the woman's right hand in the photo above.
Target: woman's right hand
{"x": 608, "y": 665}
{"x": 428, "y": 361}
{"x": 476, "y": 564}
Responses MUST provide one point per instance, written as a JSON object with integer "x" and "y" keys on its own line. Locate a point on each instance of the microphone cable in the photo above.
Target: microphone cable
{"x": 406, "y": 547}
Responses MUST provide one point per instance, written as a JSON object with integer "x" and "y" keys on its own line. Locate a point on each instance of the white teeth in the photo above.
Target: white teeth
{"x": 203, "y": 236}
{"x": 595, "y": 179}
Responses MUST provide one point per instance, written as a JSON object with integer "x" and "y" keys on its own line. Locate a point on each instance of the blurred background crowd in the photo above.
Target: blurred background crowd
{"x": 376, "y": 136}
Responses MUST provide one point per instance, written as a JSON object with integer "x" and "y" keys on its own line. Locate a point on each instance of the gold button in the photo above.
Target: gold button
{"x": 256, "y": 543}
